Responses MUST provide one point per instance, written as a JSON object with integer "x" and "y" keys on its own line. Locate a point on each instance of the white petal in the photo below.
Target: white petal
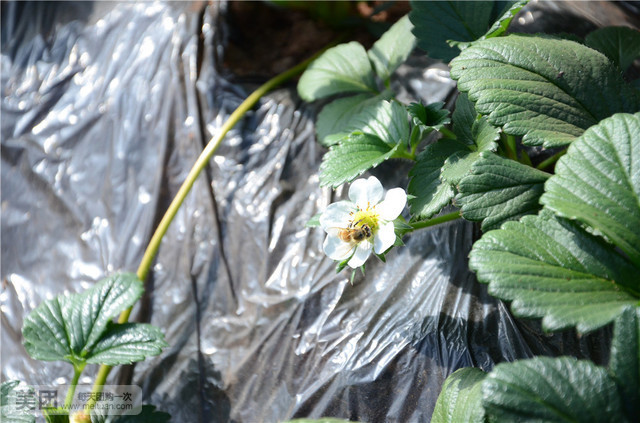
{"x": 384, "y": 238}
{"x": 337, "y": 215}
{"x": 361, "y": 255}
{"x": 363, "y": 191}
{"x": 393, "y": 204}
{"x": 337, "y": 249}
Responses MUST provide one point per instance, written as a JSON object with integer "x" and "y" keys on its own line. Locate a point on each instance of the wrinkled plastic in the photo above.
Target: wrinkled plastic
{"x": 105, "y": 107}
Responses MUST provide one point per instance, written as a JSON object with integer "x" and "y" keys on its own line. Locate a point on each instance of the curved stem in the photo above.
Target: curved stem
{"x": 448, "y": 133}
{"x": 551, "y": 160}
{"x": 77, "y": 371}
{"x": 436, "y": 220}
{"x": 200, "y": 164}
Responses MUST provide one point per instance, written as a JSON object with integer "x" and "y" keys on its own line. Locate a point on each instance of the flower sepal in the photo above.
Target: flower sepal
{"x": 314, "y": 222}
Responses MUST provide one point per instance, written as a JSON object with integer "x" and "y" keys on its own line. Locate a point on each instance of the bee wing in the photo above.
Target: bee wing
{"x": 334, "y": 230}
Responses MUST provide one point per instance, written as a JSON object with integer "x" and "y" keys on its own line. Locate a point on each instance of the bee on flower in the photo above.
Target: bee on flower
{"x": 364, "y": 224}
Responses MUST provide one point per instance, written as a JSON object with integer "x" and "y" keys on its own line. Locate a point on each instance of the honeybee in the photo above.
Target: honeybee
{"x": 355, "y": 233}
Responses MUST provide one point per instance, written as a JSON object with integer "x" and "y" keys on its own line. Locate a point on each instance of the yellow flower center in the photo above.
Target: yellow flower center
{"x": 367, "y": 217}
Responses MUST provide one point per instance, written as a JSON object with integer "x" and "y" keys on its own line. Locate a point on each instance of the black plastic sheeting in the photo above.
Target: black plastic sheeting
{"x": 105, "y": 107}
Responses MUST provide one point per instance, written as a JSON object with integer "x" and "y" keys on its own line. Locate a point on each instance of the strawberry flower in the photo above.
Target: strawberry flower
{"x": 356, "y": 228}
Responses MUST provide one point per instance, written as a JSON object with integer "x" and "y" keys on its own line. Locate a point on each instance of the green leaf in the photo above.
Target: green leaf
{"x": 624, "y": 362}
{"x": 621, "y": 44}
{"x": 314, "y": 222}
{"x": 429, "y": 117}
{"x": 443, "y": 164}
{"x": 356, "y": 154}
{"x": 386, "y": 120}
{"x": 472, "y": 130}
{"x": 431, "y": 193}
{"x": 437, "y": 22}
{"x": 393, "y": 48}
{"x": 539, "y": 87}
{"x": 334, "y": 122}
{"x": 149, "y": 414}
{"x": 126, "y": 343}
{"x": 551, "y": 268}
{"x": 344, "y": 68}
{"x": 426, "y": 119}
{"x": 500, "y": 26}
{"x": 320, "y": 420}
{"x": 498, "y": 190}
{"x": 461, "y": 398}
{"x": 69, "y": 328}
{"x": 55, "y": 415}
{"x": 464, "y": 117}
{"x": 598, "y": 182}
{"x": 12, "y": 408}
{"x": 546, "y": 389}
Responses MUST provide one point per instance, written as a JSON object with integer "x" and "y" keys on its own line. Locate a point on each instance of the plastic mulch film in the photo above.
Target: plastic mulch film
{"x": 105, "y": 107}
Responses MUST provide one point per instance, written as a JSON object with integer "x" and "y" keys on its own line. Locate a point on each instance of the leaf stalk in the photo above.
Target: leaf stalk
{"x": 435, "y": 221}
{"x": 200, "y": 164}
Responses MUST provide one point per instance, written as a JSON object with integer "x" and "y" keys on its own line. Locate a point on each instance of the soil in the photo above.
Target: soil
{"x": 267, "y": 39}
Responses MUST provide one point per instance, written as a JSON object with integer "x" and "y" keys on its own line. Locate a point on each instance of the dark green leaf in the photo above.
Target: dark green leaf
{"x": 335, "y": 120}
{"x": 426, "y": 119}
{"x": 461, "y": 398}
{"x": 509, "y": 11}
{"x": 67, "y": 327}
{"x": 432, "y": 194}
{"x": 464, "y": 117}
{"x": 621, "y": 44}
{"x": 598, "y": 183}
{"x": 320, "y": 420}
{"x": 437, "y": 22}
{"x": 551, "y": 268}
{"x": 149, "y": 414}
{"x": 458, "y": 166}
{"x": 126, "y": 343}
{"x": 386, "y": 120}
{"x": 442, "y": 164}
{"x": 624, "y": 363}
{"x": 353, "y": 156}
{"x": 393, "y": 48}
{"x": 545, "y": 389}
{"x": 56, "y": 415}
{"x": 344, "y": 68}
{"x": 498, "y": 190}
{"x": 431, "y": 116}
{"x": 472, "y": 130}
{"x": 539, "y": 87}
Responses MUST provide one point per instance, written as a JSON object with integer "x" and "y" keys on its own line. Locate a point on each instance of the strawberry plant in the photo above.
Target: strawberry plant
{"x": 560, "y": 230}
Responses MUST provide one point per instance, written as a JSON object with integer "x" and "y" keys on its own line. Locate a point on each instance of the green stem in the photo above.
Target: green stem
{"x": 524, "y": 158}
{"x": 402, "y": 153}
{"x": 77, "y": 371}
{"x": 551, "y": 160}
{"x": 436, "y": 220}
{"x": 200, "y": 164}
{"x": 510, "y": 147}
{"x": 448, "y": 133}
